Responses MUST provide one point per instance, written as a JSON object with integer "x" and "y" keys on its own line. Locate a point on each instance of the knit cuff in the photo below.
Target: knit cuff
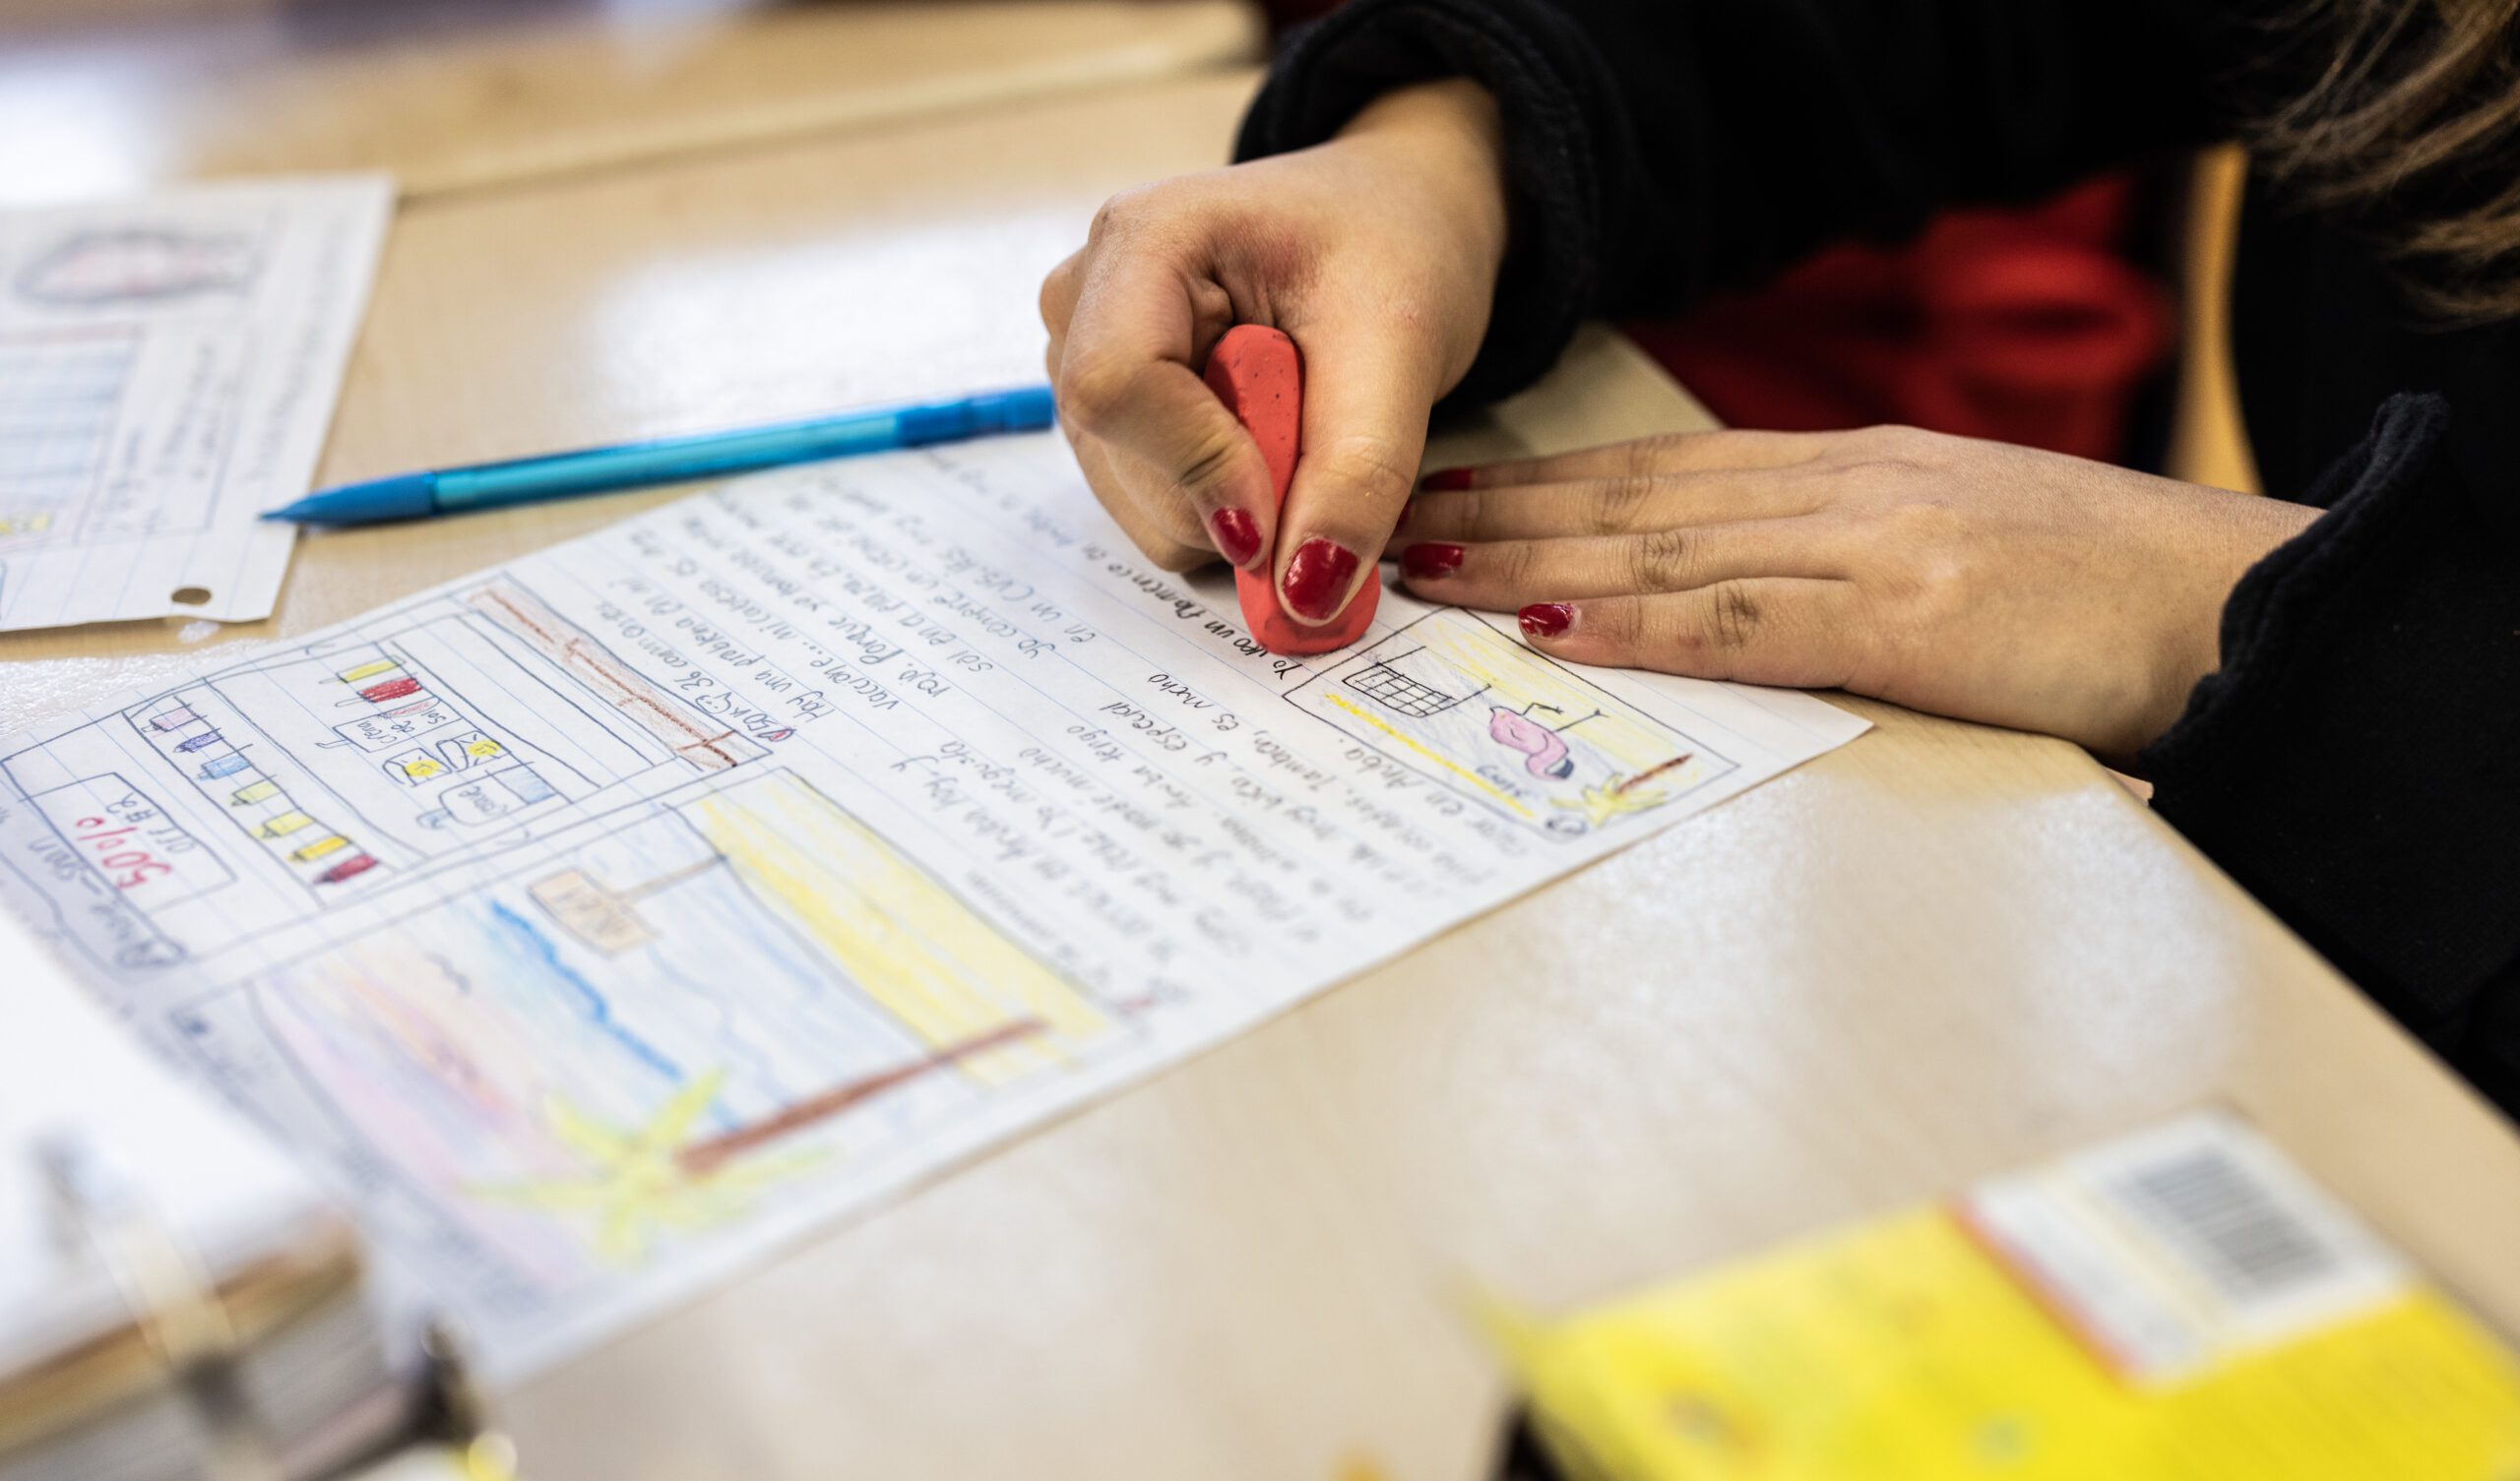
{"x": 2365, "y": 493}
{"x": 1530, "y": 58}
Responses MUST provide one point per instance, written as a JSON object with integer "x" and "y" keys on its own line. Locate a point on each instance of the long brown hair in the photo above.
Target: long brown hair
{"x": 2413, "y": 125}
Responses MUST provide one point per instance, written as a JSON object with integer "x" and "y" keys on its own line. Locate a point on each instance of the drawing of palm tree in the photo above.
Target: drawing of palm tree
{"x": 655, "y": 1180}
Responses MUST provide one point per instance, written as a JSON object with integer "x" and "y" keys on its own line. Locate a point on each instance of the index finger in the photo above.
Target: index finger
{"x": 1140, "y": 325}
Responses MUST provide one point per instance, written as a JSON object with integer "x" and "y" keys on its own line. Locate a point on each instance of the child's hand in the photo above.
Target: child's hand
{"x": 1966, "y": 578}
{"x": 1377, "y": 252}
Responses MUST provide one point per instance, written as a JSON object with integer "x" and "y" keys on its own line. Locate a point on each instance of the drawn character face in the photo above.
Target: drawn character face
{"x": 1543, "y": 750}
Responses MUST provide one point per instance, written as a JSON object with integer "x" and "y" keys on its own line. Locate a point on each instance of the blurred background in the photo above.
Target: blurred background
{"x": 2088, "y": 325}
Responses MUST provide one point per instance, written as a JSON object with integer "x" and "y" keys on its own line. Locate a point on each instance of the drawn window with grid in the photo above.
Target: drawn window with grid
{"x": 1390, "y": 688}
{"x": 59, "y": 398}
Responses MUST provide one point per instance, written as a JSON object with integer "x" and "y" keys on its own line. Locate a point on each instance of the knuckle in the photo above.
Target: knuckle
{"x": 1096, "y": 388}
{"x": 1727, "y": 447}
{"x": 1508, "y": 564}
{"x": 1646, "y": 455}
{"x": 1202, "y": 469}
{"x": 1620, "y": 624}
{"x": 1868, "y": 468}
{"x": 1115, "y": 214}
{"x": 1160, "y": 216}
{"x": 1734, "y": 620}
{"x": 1659, "y": 560}
{"x": 1924, "y": 526}
{"x": 1619, "y": 504}
{"x": 1054, "y": 295}
{"x": 1366, "y": 464}
{"x": 1938, "y": 586}
{"x": 1867, "y": 476}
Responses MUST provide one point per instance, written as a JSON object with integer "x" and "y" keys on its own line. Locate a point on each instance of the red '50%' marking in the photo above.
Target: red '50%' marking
{"x": 126, "y": 863}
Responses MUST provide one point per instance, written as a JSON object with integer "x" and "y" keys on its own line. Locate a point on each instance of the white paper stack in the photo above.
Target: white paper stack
{"x": 175, "y": 1299}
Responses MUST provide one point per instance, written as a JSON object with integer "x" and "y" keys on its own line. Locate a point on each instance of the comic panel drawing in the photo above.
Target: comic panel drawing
{"x": 101, "y": 856}
{"x": 325, "y": 774}
{"x": 1465, "y": 705}
{"x": 76, "y": 467}
{"x": 560, "y": 1061}
{"x": 61, "y": 395}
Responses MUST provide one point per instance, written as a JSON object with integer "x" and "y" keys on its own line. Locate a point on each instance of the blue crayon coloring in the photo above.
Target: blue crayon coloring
{"x": 199, "y": 742}
{"x": 225, "y": 766}
{"x": 529, "y": 788}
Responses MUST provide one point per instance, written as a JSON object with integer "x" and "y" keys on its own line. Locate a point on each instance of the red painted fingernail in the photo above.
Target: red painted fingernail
{"x": 1236, "y": 536}
{"x": 1433, "y": 559}
{"x": 1546, "y": 619}
{"x": 1445, "y": 481}
{"x": 1317, "y": 578}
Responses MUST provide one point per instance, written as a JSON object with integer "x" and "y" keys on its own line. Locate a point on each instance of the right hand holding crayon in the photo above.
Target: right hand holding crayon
{"x": 1377, "y": 252}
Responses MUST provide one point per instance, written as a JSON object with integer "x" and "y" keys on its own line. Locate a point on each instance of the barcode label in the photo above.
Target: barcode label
{"x": 2230, "y": 1225}
{"x": 2174, "y": 1250}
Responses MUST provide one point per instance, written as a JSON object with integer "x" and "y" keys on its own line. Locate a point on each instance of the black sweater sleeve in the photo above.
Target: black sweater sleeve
{"x": 1659, "y": 150}
{"x": 2356, "y": 762}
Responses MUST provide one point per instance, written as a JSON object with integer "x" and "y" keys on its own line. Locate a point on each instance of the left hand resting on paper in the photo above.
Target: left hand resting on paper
{"x": 1971, "y": 578}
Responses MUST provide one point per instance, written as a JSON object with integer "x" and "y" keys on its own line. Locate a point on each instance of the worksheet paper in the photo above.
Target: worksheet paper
{"x": 168, "y": 365}
{"x": 597, "y": 921}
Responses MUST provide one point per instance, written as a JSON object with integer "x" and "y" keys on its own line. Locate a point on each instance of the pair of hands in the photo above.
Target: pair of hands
{"x": 1966, "y": 578}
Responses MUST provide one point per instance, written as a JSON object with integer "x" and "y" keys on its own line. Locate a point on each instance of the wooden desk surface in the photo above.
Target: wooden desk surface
{"x": 1942, "y": 950}
{"x": 462, "y": 93}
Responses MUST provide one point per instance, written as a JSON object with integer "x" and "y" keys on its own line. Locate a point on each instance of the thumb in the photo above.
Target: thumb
{"x": 1365, "y": 403}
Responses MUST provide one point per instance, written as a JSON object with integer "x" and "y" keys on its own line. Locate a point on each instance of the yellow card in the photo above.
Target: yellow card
{"x": 2180, "y": 1305}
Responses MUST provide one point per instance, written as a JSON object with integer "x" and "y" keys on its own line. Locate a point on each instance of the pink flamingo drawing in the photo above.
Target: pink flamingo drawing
{"x": 1544, "y": 751}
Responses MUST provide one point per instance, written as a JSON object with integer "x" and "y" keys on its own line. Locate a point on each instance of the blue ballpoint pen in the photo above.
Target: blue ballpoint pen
{"x": 671, "y": 460}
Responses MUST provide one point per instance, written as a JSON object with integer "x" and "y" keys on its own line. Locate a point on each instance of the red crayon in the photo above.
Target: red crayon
{"x": 391, "y": 688}
{"x": 358, "y": 863}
